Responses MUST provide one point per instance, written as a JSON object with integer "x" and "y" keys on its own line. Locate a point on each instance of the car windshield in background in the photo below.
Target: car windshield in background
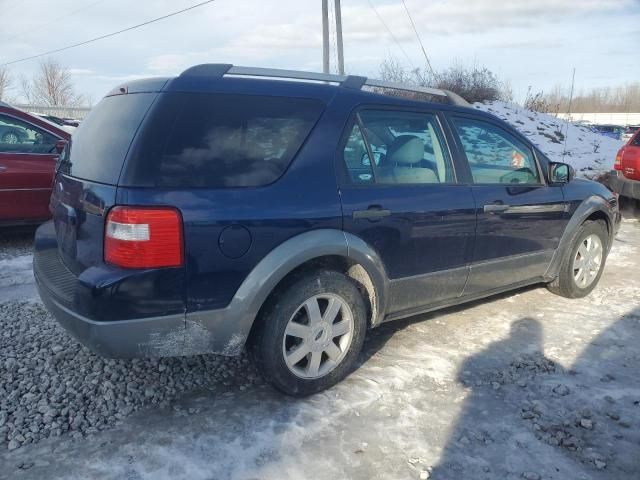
{"x": 197, "y": 140}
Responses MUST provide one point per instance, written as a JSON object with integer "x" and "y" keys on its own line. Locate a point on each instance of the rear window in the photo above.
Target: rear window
{"x": 216, "y": 140}
{"x": 99, "y": 145}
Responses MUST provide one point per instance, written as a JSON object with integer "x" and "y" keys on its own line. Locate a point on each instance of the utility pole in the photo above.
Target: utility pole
{"x": 339, "y": 37}
{"x": 325, "y": 36}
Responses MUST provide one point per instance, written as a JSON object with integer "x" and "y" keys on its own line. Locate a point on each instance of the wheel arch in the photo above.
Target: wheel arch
{"x": 315, "y": 249}
{"x": 592, "y": 208}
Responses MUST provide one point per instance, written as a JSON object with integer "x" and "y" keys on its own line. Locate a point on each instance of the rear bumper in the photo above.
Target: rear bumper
{"x": 177, "y": 334}
{"x": 622, "y": 185}
{"x": 163, "y": 336}
{"x": 148, "y": 337}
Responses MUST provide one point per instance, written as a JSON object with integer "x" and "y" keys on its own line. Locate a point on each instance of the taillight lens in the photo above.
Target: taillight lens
{"x": 139, "y": 237}
{"x": 618, "y": 163}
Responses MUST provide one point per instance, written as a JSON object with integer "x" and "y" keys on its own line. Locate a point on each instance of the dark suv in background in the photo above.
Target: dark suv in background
{"x": 201, "y": 213}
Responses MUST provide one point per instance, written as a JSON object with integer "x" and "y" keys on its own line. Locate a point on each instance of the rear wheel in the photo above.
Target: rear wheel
{"x": 582, "y": 266}
{"x": 309, "y": 336}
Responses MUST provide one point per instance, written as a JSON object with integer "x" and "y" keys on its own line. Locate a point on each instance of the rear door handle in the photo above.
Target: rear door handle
{"x": 372, "y": 213}
{"x": 496, "y": 208}
{"x": 2, "y": 168}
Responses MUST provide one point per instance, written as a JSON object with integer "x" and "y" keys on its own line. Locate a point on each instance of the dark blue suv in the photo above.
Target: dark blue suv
{"x": 229, "y": 207}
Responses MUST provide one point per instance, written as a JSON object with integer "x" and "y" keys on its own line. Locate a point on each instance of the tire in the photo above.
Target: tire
{"x": 571, "y": 283}
{"x": 291, "y": 309}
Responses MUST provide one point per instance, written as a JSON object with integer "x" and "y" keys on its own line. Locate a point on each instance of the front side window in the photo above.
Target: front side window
{"x": 494, "y": 155}
{"x": 407, "y": 148}
{"x": 18, "y": 136}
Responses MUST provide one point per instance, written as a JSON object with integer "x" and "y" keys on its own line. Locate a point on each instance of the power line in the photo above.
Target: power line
{"x": 426, "y": 57}
{"x": 391, "y": 33}
{"x": 55, "y": 20}
{"x": 112, "y": 34}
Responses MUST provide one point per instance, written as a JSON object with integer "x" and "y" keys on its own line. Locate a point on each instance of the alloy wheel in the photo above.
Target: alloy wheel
{"x": 318, "y": 336}
{"x": 587, "y": 261}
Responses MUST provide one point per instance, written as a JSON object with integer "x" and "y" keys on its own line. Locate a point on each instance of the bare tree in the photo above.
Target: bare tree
{"x": 5, "y": 82}
{"x": 474, "y": 84}
{"x": 52, "y": 86}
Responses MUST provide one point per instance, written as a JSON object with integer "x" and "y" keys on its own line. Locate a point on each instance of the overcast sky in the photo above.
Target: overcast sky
{"x": 528, "y": 42}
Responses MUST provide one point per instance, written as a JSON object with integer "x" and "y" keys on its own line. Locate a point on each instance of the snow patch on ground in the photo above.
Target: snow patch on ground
{"x": 16, "y": 271}
{"x": 16, "y": 278}
{"x": 591, "y": 154}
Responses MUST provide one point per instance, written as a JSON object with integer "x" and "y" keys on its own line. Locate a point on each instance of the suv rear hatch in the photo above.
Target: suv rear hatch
{"x": 86, "y": 182}
{"x": 70, "y": 251}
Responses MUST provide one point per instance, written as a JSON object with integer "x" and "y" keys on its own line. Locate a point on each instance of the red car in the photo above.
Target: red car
{"x": 628, "y": 158}
{"x": 29, "y": 148}
{"x": 625, "y": 178}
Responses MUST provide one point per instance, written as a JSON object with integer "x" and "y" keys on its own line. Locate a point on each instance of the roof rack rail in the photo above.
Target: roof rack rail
{"x": 347, "y": 81}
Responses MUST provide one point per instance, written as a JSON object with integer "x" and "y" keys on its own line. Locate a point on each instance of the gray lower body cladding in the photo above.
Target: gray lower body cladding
{"x": 163, "y": 336}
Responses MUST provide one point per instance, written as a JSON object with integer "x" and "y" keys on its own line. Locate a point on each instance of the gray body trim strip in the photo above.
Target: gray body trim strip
{"x": 420, "y": 290}
{"x": 505, "y": 271}
{"x": 525, "y": 209}
{"x": 459, "y": 300}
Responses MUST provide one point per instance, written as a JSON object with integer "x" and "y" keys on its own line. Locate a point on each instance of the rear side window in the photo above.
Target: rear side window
{"x": 216, "y": 140}
{"x": 99, "y": 146}
{"x": 407, "y": 148}
{"x": 635, "y": 141}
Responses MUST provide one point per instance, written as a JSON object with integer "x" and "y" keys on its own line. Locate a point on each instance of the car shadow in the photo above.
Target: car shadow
{"x": 525, "y": 415}
{"x": 379, "y": 336}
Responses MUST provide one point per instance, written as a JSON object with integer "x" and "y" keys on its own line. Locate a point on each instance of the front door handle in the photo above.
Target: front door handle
{"x": 372, "y": 213}
{"x": 2, "y": 168}
{"x": 496, "y": 208}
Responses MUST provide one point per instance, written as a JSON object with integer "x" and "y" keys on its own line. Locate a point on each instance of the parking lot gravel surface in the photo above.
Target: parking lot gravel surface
{"x": 53, "y": 385}
{"x": 524, "y": 385}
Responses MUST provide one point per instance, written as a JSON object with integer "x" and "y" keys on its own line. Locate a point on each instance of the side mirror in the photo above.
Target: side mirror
{"x": 561, "y": 172}
{"x": 60, "y": 144}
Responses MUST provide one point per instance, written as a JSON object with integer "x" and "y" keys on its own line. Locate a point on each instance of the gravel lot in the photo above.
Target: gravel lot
{"x": 526, "y": 385}
{"x": 51, "y": 385}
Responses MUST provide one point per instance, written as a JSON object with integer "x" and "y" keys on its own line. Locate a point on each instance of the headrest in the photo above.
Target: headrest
{"x": 405, "y": 149}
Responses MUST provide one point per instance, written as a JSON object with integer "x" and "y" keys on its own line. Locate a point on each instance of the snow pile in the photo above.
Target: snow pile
{"x": 591, "y": 154}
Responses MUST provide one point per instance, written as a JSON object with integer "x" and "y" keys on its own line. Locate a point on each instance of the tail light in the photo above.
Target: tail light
{"x": 139, "y": 237}
{"x": 618, "y": 163}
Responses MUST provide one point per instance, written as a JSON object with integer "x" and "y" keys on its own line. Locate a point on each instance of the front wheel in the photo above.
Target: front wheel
{"x": 310, "y": 334}
{"x": 582, "y": 266}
